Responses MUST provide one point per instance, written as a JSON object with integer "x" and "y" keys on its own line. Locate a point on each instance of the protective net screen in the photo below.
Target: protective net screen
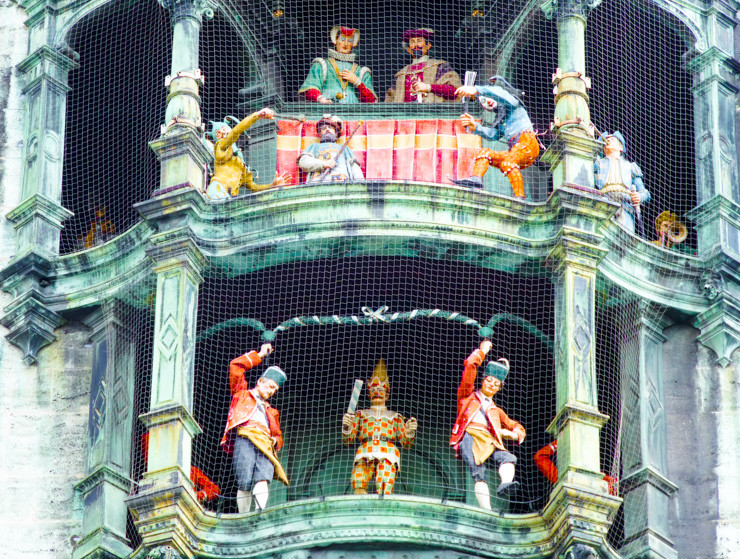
{"x": 423, "y": 358}
{"x": 421, "y": 317}
{"x": 282, "y": 54}
{"x": 336, "y": 305}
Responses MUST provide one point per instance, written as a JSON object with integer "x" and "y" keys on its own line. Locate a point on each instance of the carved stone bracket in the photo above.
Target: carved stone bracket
{"x": 720, "y": 329}
{"x": 581, "y": 551}
{"x": 31, "y": 324}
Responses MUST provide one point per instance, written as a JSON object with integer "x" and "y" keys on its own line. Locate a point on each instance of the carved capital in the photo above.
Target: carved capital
{"x": 560, "y": 9}
{"x": 194, "y": 9}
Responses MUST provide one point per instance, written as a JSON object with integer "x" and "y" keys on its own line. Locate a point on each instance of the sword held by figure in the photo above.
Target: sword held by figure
{"x": 469, "y": 81}
{"x": 355, "y": 398}
{"x": 326, "y": 171}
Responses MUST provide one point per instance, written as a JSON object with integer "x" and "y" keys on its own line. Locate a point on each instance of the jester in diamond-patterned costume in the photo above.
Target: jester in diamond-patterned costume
{"x": 377, "y": 429}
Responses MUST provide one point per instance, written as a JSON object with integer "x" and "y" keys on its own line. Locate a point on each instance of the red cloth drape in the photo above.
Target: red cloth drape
{"x": 422, "y": 150}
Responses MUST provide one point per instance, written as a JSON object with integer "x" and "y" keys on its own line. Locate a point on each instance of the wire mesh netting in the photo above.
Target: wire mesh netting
{"x": 257, "y": 54}
{"x": 421, "y": 317}
{"x": 282, "y": 54}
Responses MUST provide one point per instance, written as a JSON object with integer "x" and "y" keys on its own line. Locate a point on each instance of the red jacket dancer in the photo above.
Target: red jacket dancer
{"x": 482, "y": 427}
{"x": 252, "y": 431}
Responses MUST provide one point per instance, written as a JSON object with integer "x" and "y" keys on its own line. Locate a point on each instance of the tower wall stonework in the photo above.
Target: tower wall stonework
{"x": 53, "y": 469}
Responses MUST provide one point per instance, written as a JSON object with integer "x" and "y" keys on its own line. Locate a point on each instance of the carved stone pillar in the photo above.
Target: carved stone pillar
{"x": 108, "y": 480}
{"x": 165, "y": 492}
{"x": 180, "y": 150}
{"x": 647, "y": 491}
{"x": 572, "y": 154}
{"x": 178, "y": 263}
{"x": 580, "y": 491}
{"x": 39, "y": 218}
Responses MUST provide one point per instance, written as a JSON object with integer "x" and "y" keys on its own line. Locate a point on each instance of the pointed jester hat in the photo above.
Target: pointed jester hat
{"x": 216, "y": 125}
{"x": 380, "y": 376}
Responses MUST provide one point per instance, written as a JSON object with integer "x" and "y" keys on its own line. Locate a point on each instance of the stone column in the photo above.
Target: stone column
{"x": 572, "y": 153}
{"x": 165, "y": 494}
{"x": 178, "y": 263}
{"x": 40, "y": 216}
{"x": 180, "y": 150}
{"x": 108, "y": 481}
{"x": 646, "y": 490}
{"x": 580, "y": 492}
{"x": 717, "y": 216}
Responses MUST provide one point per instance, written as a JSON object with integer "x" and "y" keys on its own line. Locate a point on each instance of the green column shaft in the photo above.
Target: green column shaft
{"x": 646, "y": 490}
{"x": 108, "y": 480}
{"x": 171, "y": 426}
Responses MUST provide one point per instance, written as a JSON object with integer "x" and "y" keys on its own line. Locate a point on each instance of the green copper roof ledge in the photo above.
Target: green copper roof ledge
{"x": 412, "y": 219}
{"x": 411, "y": 522}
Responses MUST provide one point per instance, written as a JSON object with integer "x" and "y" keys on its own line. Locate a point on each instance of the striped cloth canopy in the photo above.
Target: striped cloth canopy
{"x": 419, "y": 150}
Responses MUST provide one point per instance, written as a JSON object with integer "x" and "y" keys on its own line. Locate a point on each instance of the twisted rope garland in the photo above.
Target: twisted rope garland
{"x": 378, "y": 316}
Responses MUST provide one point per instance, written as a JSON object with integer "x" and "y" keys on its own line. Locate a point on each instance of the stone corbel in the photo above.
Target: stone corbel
{"x": 720, "y": 329}
{"x": 31, "y": 325}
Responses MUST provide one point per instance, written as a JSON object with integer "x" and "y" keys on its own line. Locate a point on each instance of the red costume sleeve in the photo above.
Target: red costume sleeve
{"x": 544, "y": 463}
{"x": 366, "y": 96}
{"x": 204, "y": 487}
{"x": 312, "y": 95}
{"x": 467, "y": 384}
{"x": 238, "y": 367}
{"x": 273, "y": 418}
{"x": 444, "y": 90}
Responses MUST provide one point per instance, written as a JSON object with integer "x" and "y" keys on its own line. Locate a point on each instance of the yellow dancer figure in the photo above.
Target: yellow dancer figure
{"x": 230, "y": 172}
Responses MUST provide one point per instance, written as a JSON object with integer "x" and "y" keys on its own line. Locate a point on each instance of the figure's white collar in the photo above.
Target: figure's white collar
{"x": 350, "y": 57}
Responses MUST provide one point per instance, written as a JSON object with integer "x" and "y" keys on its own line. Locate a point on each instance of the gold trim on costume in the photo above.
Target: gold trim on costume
{"x": 483, "y": 444}
{"x": 263, "y": 442}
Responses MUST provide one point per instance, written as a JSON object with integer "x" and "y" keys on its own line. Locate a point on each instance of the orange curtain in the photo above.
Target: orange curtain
{"x": 421, "y": 150}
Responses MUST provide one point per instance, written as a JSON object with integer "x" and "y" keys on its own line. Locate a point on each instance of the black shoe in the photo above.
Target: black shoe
{"x": 507, "y": 488}
{"x": 472, "y": 182}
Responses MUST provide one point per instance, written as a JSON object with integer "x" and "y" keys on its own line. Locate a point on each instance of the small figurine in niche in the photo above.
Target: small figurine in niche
{"x": 481, "y": 426}
{"x": 377, "y": 429}
{"x": 543, "y": 460}
{"x": 338, "y": 78}
{"x": 101, "y": 229}
{"x": 621, "y": 181}
{"x": 425, "y": 80}
{"x": 252, "y": 431}
{"x": 512, "y": 122}
{"x": 230, "y": 172}
{"x": 205, "y": 489}
{"x": 329, "y": 160}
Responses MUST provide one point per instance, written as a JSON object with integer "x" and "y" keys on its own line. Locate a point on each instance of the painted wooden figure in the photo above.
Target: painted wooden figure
{"x": 377, "y": 429}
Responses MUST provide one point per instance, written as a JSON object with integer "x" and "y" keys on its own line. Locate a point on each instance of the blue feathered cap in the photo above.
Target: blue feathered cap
{"x": 276, "y": 374}
{"x": 618, "y": 135}
{"x": 498, "y": 369}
